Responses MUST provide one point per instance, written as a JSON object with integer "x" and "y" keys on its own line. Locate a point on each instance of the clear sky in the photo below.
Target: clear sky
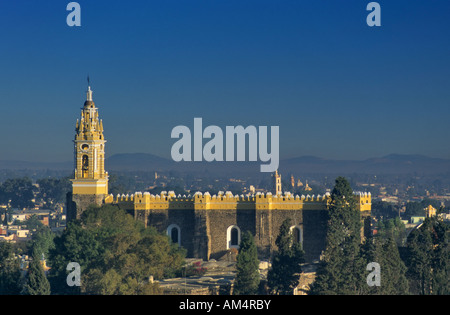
{"x": 336, "y": 87}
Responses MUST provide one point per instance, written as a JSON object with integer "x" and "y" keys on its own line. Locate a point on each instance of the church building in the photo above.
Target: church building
{"x": 207, "y": 226}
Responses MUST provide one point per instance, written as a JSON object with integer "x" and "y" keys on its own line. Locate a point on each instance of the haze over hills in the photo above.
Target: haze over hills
{"x": 29, "y": 165}
{"x": 390, "y": 164}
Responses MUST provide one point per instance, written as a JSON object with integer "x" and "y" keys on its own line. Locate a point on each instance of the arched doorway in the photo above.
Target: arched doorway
{"x": 233, "y": 237}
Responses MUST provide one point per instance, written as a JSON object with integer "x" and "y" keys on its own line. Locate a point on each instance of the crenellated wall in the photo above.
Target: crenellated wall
{"x": 226, "y": 201}
{"x": 204, "y": 220}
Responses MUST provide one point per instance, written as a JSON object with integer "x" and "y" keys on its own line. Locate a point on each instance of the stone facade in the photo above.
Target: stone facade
{"x": 77, "y": 204}
{"x": 203, "y": 224}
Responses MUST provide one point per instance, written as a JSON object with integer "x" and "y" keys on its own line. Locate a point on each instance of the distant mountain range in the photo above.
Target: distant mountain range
{"x": 390, "y": 164}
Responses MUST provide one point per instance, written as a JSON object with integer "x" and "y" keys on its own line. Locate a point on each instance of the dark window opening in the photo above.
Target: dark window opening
{"x": 234, "y": 237}
{"x": 174, "y": 235}
{"x": 296, "y": 234}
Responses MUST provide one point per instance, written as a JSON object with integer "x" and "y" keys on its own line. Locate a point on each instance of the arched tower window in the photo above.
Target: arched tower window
{"x": 233, "y": 237}
{"x": 85, "y": 166}
{"x": 174, "y": 232}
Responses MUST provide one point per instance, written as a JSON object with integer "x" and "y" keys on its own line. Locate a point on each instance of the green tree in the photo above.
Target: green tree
{"x": 428, "y": 258}
{"x": 392, "y": 228}
{"x": 10, "y": 275}
{"x": 33, "y": 223}
{"x": 76, "y": 244}
{"x": 18, "y": 191}
{"x": 37, "y": 283}
{"x": 117, "y": 254}
{"x": 341, "y": 267}
{"x": 384, "y": 251}
{"x": 43, "y": 240}
{"x": 414, "y": 209}
{"x": 383, "y": 209}
{"x": 284, "y": 275}
{"x": 53, "y": 190}
{"x": 247, "y": 267}
{"x": 393, "y": 270}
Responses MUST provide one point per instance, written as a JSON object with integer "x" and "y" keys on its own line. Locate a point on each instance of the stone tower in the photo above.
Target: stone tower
{"x": 277, "y": 183}
{"x": 90, "y": 182}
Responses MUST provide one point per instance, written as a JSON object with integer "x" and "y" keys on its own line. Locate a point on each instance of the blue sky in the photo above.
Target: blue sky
{"x": 336, "y": 87}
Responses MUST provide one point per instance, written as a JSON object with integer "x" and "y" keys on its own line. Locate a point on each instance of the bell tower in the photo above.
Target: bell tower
{"x": 90, "y": 182}
{"x": 277, "y": 183}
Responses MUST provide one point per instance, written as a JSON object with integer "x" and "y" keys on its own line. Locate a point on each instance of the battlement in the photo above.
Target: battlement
{"x": 364, "y": 200}
{"x": 199, "y": 200}
{"x": 228, "y": 201}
